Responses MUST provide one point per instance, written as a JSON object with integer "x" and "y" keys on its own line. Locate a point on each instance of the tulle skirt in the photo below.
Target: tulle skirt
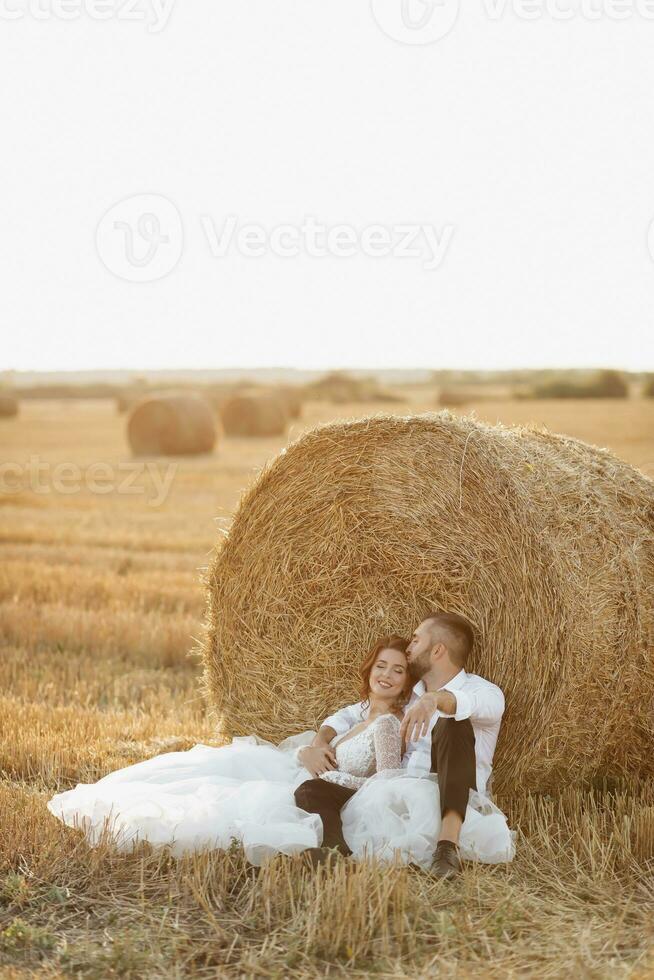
{"x": 397, "y": 813}
{"x": 211, "y": 797}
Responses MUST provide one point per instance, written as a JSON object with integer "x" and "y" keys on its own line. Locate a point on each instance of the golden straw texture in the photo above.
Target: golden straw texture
{"x": 360, "y": 528}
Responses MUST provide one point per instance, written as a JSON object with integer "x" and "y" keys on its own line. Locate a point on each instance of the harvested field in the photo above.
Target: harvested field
{"x": 101, "y": 608}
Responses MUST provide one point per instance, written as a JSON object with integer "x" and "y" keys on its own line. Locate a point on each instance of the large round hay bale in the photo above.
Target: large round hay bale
{"x": 171, "y": 424}
{"x": 8, "y": 406}
{"x": 253, "y": 415}
{"x": 361, "y": 528}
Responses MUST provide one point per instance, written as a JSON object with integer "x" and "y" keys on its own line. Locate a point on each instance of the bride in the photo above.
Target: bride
{"x": 209, "y": 797}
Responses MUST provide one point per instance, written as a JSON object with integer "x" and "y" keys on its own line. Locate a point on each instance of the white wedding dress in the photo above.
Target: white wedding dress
{"x": 209, "y": 796}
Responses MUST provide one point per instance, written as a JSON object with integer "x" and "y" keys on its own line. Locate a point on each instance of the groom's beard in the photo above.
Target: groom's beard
{"x": 418, "y": 668}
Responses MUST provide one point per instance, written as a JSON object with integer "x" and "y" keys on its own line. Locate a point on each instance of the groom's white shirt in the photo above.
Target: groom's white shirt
{"x": 476, "y": 698}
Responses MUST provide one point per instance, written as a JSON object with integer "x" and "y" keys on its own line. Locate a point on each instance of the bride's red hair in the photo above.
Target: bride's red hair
{"x": 391, "y": 642}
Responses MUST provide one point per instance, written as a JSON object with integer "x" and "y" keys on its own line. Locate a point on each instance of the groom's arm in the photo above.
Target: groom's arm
{"x": 343, "y": 719}
{"x": 323, "y": 737}
{"x": 481, "y": 703}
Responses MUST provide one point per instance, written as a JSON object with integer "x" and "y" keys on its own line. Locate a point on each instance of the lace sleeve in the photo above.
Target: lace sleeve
{"x": 388, "y": 747}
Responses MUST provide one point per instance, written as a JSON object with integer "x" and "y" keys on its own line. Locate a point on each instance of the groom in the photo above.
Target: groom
{"x": 450, "y": 727}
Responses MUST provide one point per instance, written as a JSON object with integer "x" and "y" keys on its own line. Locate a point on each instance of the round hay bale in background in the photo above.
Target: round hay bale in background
{"x": 456, "y": 395}
{"x": 8, "y": 406}
{"x": 218, "y": 394}
{"x": 291, "y": 399}
{"x": 253, "y": 415}
{"x": 171, "y": 424}
{"x": 340, "y": 387}
{"x": 453, "y": 397}
{"x": 361, "y": 528}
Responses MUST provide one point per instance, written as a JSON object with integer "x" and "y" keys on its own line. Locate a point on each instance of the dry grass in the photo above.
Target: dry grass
{"x": 100, "y": 608}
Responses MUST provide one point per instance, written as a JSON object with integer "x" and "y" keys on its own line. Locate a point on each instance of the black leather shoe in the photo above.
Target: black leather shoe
{"x": 447, "y": 863}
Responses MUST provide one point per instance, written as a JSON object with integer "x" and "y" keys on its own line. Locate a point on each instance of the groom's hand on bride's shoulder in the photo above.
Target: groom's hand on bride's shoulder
{"x": 317, "y": 759}
{"x": 415, "y": 723}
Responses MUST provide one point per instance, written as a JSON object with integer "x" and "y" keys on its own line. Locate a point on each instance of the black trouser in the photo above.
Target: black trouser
{"x": 452, "y": 757}
{"x": 326, "y": 798}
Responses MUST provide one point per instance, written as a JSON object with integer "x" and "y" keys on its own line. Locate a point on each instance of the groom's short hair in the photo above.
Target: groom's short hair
{"x": 458, "y": 635}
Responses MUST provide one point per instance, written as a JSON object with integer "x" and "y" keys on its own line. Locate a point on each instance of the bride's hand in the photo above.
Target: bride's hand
{"x": 317, "y": 759}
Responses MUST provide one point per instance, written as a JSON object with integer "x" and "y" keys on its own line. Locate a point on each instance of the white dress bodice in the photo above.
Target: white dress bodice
{"x": 375, "y": 747}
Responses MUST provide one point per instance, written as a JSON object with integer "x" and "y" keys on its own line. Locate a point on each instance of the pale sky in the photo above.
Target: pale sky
{"x": 514, "y": 159}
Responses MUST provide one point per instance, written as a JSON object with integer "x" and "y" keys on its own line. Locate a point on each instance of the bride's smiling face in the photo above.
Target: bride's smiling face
{"x": 388, "y": 674}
